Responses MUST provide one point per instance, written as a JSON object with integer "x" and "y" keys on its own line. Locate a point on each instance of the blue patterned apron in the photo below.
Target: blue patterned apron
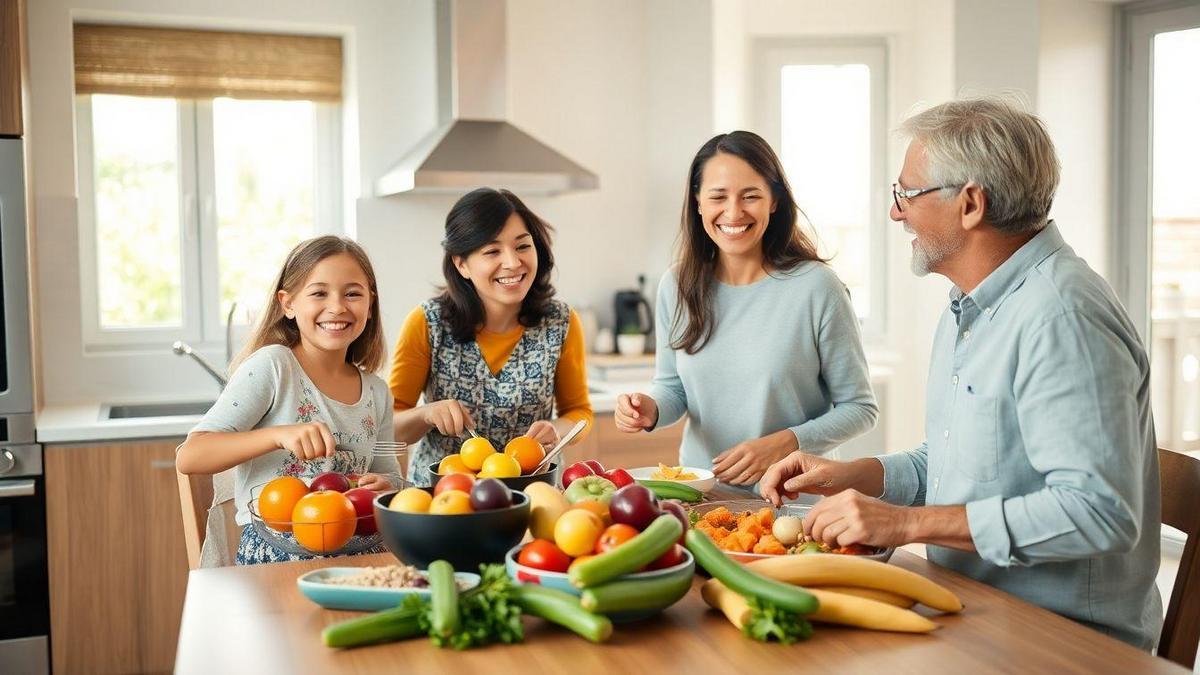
{"x": 502, "y": 405}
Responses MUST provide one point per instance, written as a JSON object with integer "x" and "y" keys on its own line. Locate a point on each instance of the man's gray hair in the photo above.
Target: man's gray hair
{"x": 997, "y": 146}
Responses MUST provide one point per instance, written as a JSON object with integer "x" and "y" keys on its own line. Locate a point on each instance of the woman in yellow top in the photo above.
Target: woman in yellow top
{"x": 495, "y": 352}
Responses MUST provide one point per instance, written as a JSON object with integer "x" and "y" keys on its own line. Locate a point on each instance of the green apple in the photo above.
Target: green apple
{"x": 590, "y": 487}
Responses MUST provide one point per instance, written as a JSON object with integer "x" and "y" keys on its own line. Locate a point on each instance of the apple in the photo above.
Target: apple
{"x": 362, "y": 499}
{"x": 675, "y": 508}
{"x": 598, "y": 488}
{"x": 671, "y": 558}
{"x": 330, "y": 480}
{"x": 489, "y": 494}
{"x": 353, "y": 478}
{"x": 619, "y": 477}
{"x": 634, "y": 505}
{"x": 597, "y": 467}
{"x": 575, "y": 471}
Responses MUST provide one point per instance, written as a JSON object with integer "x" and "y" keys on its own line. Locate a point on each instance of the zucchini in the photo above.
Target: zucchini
{"x": 563, "y": 609}
{"x": 665, "y": 489}
{"x": 631, "y": 556}
{"x": 399, "y": 623}
{"x": 741, "y": 580}
{"x": 443, "y": 595}
{"x": 635, "y": 594}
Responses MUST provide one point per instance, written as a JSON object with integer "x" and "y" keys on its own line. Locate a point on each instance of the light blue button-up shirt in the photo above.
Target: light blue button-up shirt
{"x": 1038, "y": 420}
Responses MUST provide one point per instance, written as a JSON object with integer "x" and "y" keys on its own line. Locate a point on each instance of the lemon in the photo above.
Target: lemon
{"x": 474, "y": 451}
{"x": 500, "y": 466}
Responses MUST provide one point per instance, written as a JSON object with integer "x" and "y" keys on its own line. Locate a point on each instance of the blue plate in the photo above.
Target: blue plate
{"x": 364, "y": 598}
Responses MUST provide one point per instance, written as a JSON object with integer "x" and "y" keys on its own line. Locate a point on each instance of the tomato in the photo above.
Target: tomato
{"x": 613, "y": 536}
{"x": 544, "y": 555}
{"x": 455, "y": 481}
{"x": 671, "y": 558}
{"x": 576, "y": 531}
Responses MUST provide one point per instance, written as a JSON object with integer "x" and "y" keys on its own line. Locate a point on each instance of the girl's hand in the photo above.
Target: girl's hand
{"x": 635, "y": 412}
{"x": 307, "y": 441}
{"x": 373, "y": 481}
{"x": 449, "y": 417}
{"x": 543, "y": 432}
{"x": 746, "y": 462}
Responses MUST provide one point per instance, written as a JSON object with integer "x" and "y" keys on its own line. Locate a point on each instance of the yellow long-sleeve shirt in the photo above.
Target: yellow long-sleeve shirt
{"x": 412, "y": 358}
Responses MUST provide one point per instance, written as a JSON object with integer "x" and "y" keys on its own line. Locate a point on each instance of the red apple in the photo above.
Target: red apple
{"x": 576, "y": 470}
{"x": 330, "y": 480}
{"x": 619, "y": 477}
{"x": 634, "y": 505}
{"x": 597, "y": 467}
{"x": 353, "y": 478}
{"x": 675, "y": 508}
{"x": 671, "y": 558}
{"x": 362, "y": 499}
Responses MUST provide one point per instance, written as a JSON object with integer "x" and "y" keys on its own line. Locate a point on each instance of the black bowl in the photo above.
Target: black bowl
{"x": 466, "y": 540}
{"x": 514, "y": 483}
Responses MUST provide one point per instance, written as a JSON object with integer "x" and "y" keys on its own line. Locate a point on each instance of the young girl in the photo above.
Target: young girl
{"x": 495, "y": 352}
{"x": 302, "y": 398}
{"x": 757, "y": 340}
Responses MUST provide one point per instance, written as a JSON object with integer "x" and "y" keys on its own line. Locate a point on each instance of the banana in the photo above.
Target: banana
{"x": 732, "y": 605}
{"x": 847, "y": 570}
{"x": 849, "y": 610}
{"x": 886, "y": 597}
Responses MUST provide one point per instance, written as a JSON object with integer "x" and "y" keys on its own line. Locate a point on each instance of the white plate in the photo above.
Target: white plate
{"x": 705, "y": 481}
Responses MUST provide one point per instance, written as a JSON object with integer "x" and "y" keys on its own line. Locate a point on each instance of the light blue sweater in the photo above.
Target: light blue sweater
{"x": 785, "y": 353}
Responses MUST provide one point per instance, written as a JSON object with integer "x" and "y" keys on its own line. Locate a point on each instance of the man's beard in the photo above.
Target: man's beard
{"x": 929, "y": 253}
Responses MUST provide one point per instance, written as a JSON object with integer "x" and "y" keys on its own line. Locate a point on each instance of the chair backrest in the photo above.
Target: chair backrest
{"x": 196, "y": 498}
{"x": 1180, "y": 477}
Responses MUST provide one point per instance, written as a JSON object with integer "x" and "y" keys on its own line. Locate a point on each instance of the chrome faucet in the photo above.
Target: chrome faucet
{"x": 184, "y": 349}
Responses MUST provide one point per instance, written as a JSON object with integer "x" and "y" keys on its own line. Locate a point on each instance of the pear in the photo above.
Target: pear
{"x": 546, "y": 504}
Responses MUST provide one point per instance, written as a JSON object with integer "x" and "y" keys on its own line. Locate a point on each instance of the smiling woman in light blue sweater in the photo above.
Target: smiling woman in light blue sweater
{"x": 757, "y": 341}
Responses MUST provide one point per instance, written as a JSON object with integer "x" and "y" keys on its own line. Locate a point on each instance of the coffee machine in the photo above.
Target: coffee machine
{"x": 632, "y": 313}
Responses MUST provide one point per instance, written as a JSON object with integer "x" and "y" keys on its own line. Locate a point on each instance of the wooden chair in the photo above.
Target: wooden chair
{"x": 196, "y": 498}
{"x": 1180, "y": 477}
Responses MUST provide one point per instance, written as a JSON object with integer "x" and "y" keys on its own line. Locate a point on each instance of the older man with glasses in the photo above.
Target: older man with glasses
{"x": 1039, "y": 472}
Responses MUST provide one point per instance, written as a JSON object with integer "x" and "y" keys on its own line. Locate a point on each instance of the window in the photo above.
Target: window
{"x": 190, "y": 198}
{"x": 824, "y": 110}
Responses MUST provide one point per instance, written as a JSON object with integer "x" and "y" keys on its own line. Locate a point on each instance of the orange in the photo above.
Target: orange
{"x": 453, "y": 464}
{"x": 451, "y": 502}
{"x": 474, "y": 450}
{"x": 500, "y": 466}
{"x": 412, "y": 500}
{"x": 277, "y": 499}
{"x": 323, "y": 521}
{"x": 528, "y": 452}
{"x": 595, "y": 506}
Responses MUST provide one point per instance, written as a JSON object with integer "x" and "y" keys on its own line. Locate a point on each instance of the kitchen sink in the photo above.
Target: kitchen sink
{"x": 137, "y": 410}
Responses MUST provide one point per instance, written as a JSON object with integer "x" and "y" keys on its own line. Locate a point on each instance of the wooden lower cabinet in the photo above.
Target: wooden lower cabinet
{"x": 618, "y": 449}
{"x": 118, "y": 564}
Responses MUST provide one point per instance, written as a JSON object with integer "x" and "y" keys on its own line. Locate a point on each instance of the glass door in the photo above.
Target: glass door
{"x": 1158, "y": 229}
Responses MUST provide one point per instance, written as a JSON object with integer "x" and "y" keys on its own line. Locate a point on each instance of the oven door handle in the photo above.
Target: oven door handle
{"x": 17, "y": 488}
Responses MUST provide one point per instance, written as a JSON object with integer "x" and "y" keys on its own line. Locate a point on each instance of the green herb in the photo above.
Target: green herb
{"x": 768, "y": 621}
{"x": 693, "y": 517}
{"x": 488, "y": 613}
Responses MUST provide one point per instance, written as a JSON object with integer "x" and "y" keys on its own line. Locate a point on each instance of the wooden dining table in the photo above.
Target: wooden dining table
{"x": 254, "y": 619}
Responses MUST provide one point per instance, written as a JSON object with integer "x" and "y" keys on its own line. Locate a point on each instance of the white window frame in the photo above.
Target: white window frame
{"x": 202, "y": 324}
{"x": 770, "y": 56}
{"x": 1129, "y": 252}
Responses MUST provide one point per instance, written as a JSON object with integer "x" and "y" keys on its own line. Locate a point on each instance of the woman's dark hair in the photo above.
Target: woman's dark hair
{"x": 784, "y": 244}
{"x": 475, "y": 221}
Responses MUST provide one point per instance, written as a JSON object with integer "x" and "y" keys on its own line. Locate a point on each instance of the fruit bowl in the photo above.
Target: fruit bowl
{"x": 550, "y": 475}
{"x": 466, "y": 540}
{"x": 558, "y": 580}
{"x": 314, "y": 537}
{"x": 798, "y": 510}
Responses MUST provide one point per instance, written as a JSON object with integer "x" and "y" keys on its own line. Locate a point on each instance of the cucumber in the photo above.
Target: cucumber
{"x": 665, "y": 489}
{"x": 443, "y": 596}
{"x": 631, "y": 556}
{"x": 743, "y": 581}
{"x": 563, "y": 609}
{"x": 636, "y": 594}
{"x": 385, "y": 626}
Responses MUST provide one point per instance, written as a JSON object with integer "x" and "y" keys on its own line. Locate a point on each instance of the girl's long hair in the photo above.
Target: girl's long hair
{"x": 784, "y": 243}
{"x": 475, "y": 221}
{"x": 366, "y": 352}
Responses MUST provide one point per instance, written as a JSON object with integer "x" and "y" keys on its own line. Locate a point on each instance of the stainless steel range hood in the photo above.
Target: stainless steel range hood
{"x": 474, "y": 146}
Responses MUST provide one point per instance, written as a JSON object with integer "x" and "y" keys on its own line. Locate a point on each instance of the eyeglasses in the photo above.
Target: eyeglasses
{"x": 908, "y": 195}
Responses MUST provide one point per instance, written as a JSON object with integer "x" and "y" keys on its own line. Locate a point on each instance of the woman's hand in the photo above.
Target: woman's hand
{"x": 375, "y": 482}
{"x": 307, "y": 441}
{"x": 635, "y": 412}
{"x": 449, "y": 417}
{"x": 543, "y": 432}
{"x": 746, "y": 462}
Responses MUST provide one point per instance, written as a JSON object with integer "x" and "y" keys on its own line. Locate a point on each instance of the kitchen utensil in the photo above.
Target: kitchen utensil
{"x": 562, "y": 443}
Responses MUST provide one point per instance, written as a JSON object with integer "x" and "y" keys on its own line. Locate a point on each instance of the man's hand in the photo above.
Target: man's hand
{"x": 802, "y": 472}
{"x": 745, "y": 463}
{"x": 850, "y": 517}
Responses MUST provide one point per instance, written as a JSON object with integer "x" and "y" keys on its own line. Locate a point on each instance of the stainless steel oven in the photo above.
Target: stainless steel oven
{"x": 24, "y": 584}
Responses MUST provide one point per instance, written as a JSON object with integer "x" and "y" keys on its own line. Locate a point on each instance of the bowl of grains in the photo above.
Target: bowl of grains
{"x": 370, "y": 588}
